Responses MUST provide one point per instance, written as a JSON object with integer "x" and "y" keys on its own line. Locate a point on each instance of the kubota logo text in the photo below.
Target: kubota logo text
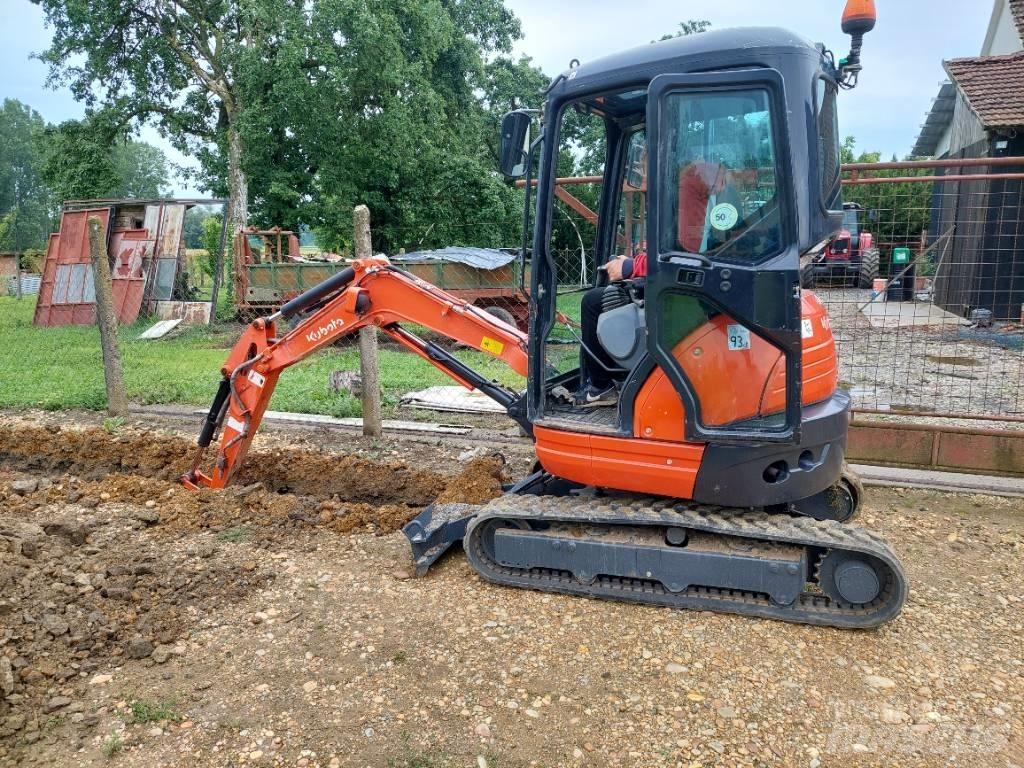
{"x": 318, "y": 333}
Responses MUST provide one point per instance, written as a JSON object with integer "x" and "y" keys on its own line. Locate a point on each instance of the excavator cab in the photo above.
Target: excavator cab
{"x": 730, "y": 137}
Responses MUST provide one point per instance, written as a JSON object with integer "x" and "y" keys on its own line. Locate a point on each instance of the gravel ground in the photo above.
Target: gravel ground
{"x": 254, "y": 629}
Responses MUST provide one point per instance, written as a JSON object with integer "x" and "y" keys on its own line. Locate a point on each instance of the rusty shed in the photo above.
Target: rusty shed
{"x": 8, "y": 265}
{"x": 146, "y": 250}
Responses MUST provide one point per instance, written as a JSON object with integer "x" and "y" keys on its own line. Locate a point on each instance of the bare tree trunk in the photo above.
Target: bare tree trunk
{"x": 117, "y": 398}
{"x": 238, "y": 192}
{"x": 238, "y": 184}
{"x": 368, "y": 364}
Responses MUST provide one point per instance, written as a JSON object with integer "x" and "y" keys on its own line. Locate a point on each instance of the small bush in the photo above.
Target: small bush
{"x": 144, "y": 711}
{"x": 112, "y": 745}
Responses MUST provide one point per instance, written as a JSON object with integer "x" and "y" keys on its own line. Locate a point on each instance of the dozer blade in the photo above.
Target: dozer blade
{"x": 434, "y": 530}
{"x": 688, "y": 555}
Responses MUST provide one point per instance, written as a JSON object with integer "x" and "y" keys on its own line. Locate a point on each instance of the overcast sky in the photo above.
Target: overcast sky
{"x": 902, "y": 56}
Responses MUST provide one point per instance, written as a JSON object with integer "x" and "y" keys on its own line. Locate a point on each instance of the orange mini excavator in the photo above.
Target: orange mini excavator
{"x": 717, "y": 479}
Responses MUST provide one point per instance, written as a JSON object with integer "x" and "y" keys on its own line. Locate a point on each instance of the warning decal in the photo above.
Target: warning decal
{"x": 493, "y": 346}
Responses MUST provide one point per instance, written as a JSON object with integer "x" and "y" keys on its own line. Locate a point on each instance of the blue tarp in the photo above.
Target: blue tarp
{"x": 481, "y": 258}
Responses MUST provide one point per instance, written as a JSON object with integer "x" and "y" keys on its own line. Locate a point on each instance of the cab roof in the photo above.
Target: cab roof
{"x": 714, "y": 49}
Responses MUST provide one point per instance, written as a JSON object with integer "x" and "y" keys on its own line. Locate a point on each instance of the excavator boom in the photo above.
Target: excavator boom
{"x": 370, "y": 292}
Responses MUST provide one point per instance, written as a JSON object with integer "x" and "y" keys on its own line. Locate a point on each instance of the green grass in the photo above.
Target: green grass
{"x": 234, "y": 535}
{"x": 62, "y": 367}
{"x": 144, "y": 711}
{"x": 569, "y": 304}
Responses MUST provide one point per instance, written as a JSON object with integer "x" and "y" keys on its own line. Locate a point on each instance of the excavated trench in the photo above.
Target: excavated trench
{"x": 104, "y": 555}
{"x": 273, "y": 488}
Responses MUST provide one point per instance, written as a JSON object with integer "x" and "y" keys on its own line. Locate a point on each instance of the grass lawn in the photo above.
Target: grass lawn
{"x": 62, "y": 367}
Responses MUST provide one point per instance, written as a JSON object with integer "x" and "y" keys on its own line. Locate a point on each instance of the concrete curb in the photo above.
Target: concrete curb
{"x": 953, "y": 482}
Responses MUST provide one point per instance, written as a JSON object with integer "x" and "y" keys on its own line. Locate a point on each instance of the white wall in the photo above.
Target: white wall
{"x": 1002, "y": 36}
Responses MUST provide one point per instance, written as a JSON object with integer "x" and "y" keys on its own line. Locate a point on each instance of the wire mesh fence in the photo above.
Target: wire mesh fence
{"x": 925, "y": 289}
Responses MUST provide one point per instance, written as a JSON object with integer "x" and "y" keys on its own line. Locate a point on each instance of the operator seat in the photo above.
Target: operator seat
{"x": 622, "y": 325}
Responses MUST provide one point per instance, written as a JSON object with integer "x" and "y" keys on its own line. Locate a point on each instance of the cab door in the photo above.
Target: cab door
{"x": 722, "y": 294}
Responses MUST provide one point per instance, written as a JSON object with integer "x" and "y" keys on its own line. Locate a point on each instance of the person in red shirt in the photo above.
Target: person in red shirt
{"x": 700, "y": 183}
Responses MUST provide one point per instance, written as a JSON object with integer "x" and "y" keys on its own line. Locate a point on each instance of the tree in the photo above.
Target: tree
{"x": 406, "y": 121}
{"x": 314, "y": 105}
{"x": 177, "y": 61}
{"x": 193, "y": 225}
{"x": 90, "y": 158}
{"x": 24, "y": 199}
{"x": 690, "y": 27}
{"x": 78, "y": 160}
{"x": 211, "y": 241}
{"x": 848, "y": 153}
{"x": 508, "y": 84}
{"x": 141, "y": 169}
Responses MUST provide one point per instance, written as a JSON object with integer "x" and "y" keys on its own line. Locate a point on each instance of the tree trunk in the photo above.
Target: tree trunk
{"x": 117, "y": 398}
{"x": 238, "y": 192}
{"x": 238, "y": 183}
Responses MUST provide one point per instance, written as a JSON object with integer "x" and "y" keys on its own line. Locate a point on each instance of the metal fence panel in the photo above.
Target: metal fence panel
{"x": 941, "y": 330}
{"x": 938, "y": 332}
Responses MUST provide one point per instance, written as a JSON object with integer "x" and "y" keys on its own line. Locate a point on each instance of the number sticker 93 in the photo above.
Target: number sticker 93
{"x": 738, "y": 336}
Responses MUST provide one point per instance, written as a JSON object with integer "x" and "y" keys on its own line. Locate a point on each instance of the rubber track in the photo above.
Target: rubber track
{"x": 809, "y": 607}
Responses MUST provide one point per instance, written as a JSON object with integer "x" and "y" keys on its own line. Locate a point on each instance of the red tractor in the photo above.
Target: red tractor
{"x": 850, "y": 256}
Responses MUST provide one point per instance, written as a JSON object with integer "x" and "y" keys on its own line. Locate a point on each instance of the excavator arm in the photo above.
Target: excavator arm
{"x": 370, "y": 292}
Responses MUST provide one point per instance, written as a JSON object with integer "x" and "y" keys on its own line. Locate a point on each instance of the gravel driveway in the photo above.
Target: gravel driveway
{"x": 262, "y": 634}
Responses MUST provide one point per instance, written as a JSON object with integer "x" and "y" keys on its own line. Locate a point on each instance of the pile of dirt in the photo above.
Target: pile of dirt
{"x": 81, "y": 589}
{"x": 271, "y": 514}
{"x": 94, "y": 453}
{"x": 478, "y": 483}
{"x": 104, "y": 555}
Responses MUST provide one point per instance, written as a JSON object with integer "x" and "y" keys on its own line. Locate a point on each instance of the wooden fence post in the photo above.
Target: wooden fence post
{"x": 368, "y": 365}
{"x": 117, "y": 398}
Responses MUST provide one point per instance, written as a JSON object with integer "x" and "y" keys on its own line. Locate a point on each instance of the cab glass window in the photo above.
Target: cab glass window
{"x": 850, "y": 221}
{"x": 718, "y": 185}
{"x": 631, "y": 231}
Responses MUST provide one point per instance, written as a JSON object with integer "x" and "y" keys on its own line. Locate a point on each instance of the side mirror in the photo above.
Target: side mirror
{"x": 515, "y": 144}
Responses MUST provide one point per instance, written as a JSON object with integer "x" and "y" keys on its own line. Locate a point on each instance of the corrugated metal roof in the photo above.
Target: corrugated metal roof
{"x": 481, "y": 258}
{"x": 936, "y": 121}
